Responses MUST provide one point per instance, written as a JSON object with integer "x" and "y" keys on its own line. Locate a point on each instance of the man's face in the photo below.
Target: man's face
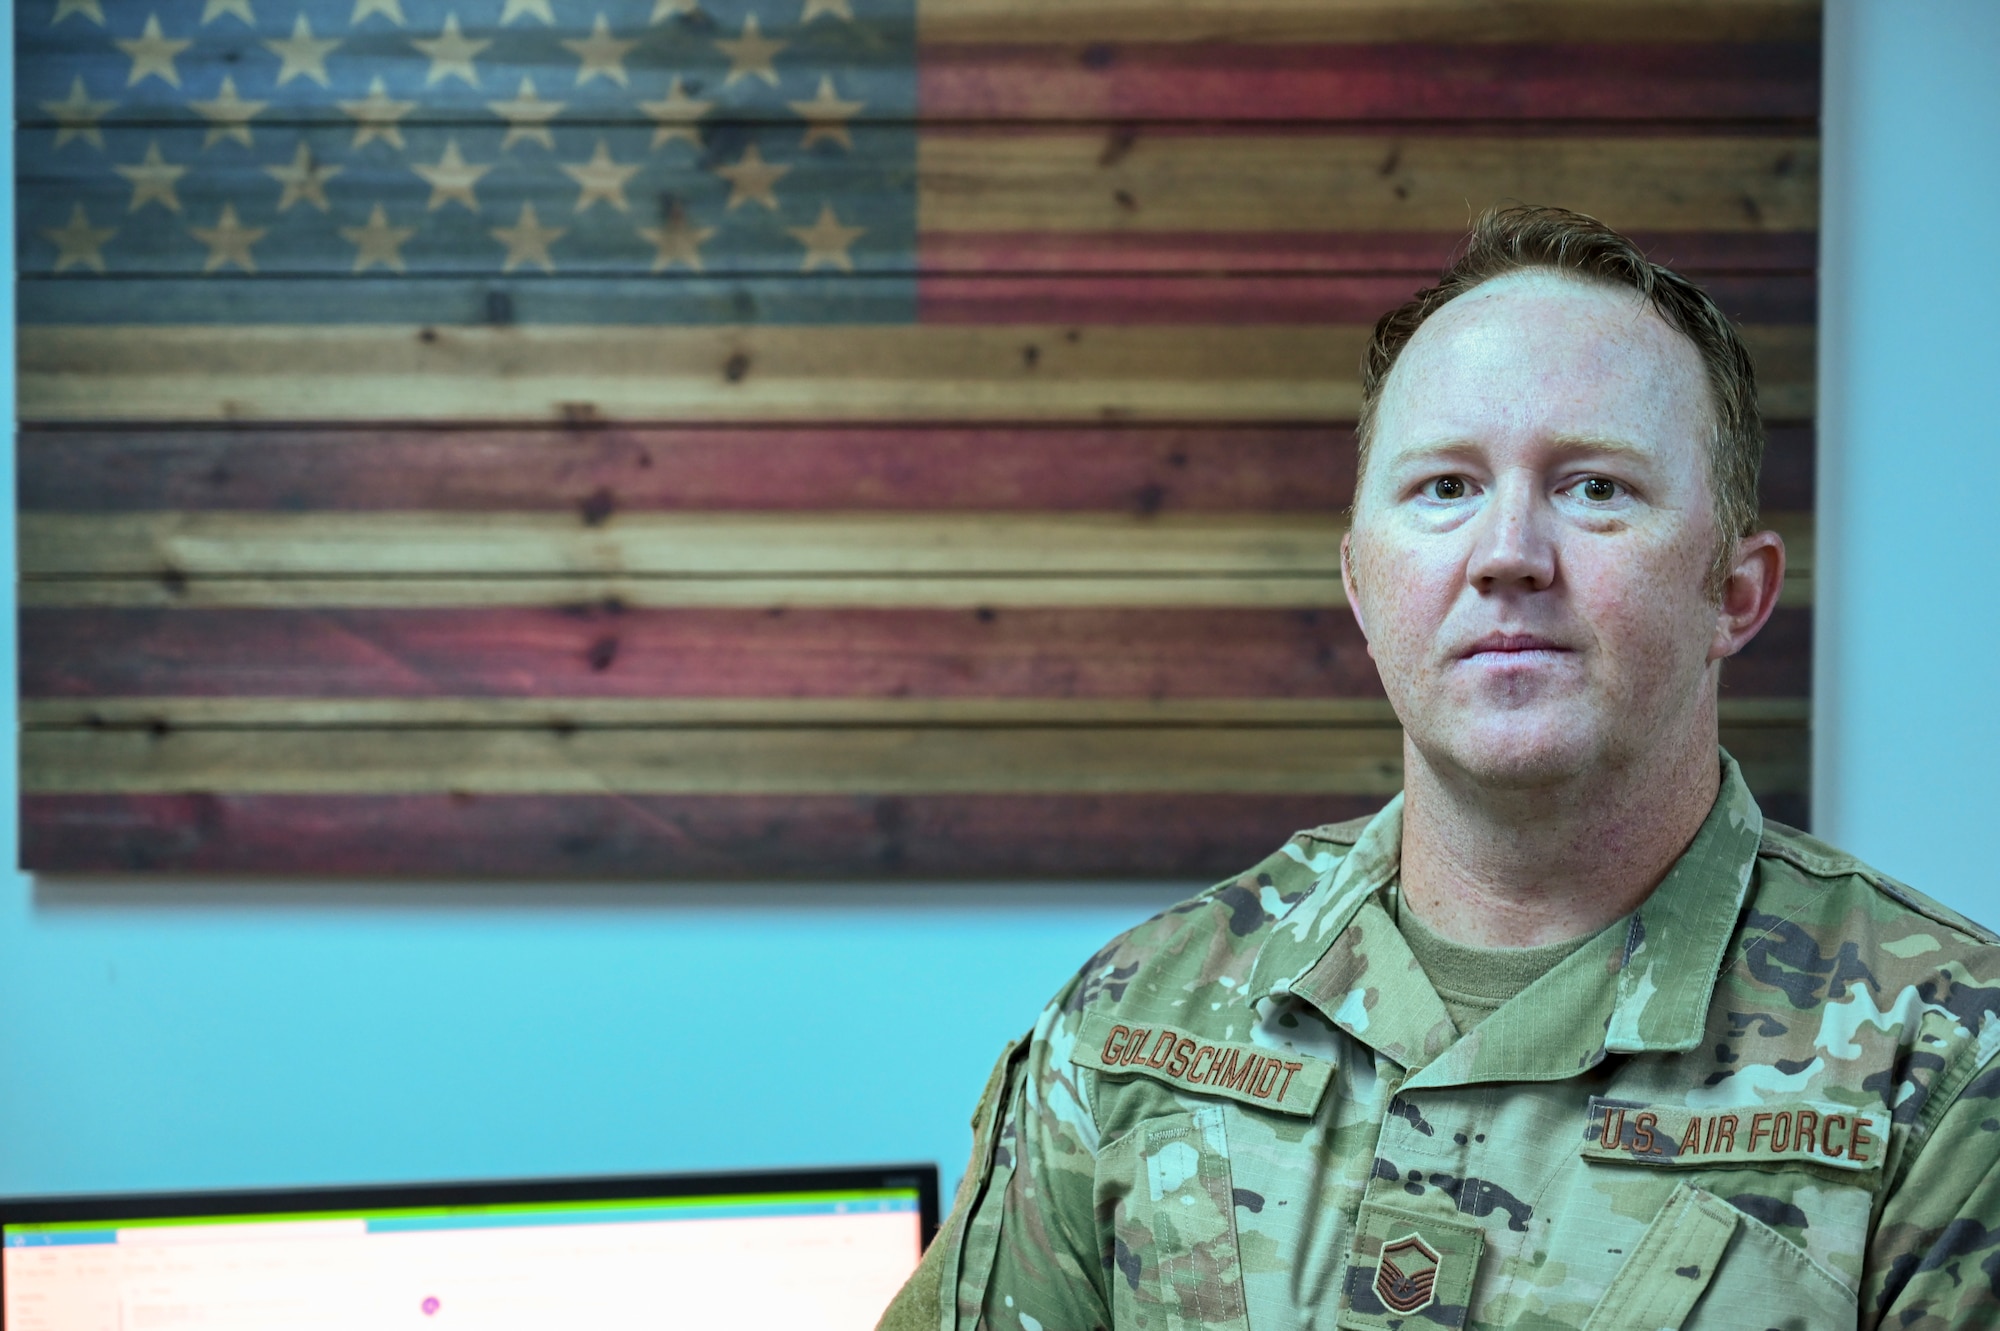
{"x": 1533, "y": 533}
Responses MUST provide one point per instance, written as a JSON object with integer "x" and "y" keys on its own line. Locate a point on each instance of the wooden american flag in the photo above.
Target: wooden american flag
{"x": 791, "y": 436}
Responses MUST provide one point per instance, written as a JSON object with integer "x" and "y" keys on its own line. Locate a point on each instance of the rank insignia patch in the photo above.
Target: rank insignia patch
{"x": 1406, "y": 1275}
{"x": 1409, "y": 1264}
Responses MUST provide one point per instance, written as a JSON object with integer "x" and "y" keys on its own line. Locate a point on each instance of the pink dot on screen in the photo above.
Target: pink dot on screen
{"x": 430, "y": 1307}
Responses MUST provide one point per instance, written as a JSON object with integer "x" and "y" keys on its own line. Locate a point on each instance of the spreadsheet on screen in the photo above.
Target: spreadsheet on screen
{"x": 798, "y": 1261}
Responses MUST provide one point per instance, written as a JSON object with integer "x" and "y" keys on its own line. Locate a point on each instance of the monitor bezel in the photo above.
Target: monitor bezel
{"x": 475, "y": 1192}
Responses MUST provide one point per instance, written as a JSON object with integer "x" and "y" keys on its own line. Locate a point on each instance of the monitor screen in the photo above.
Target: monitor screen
{"x": 825, "y": 1249}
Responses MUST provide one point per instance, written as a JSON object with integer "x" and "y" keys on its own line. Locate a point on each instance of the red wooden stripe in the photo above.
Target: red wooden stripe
{"x": 1390, "y": 82}
{"x": 650, "y": 836}
{"x": 592, "y": 651}
{"x": 1787, "y": 482}
{"x": 1419, "y": 253}
{"x": 1097, "y": 298}
{"x": 1778, "y": 661}
{"x": 599, "y": 472}
{"x": 602, "y": 651}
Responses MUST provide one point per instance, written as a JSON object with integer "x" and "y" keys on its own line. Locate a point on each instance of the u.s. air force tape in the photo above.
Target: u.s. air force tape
{"x": 1634, "y": 1132}
{"x": 1272, "y": 1079}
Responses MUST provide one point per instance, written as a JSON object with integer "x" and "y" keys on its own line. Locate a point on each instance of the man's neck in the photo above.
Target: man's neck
{"x": 1524, "y": 867}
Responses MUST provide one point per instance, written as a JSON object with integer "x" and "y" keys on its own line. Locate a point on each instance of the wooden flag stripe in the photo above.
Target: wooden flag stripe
{"x": 814, "y": 760}
{"x": 612, "y": 651}
{"x": 255, "y": 713}
{"x": 186, "y": 545}
{"x": 391, "y": 544}
{"x": 1304, "y": 82}
{"x": 583, "y": 374}
{"x": 578, "y": 836}
{"x": 1141, "y": 80}
{"x": 762, "y": 761}
{"x": 1121, "y": 298}
{"x": 618, "y": 470}
{"x": 619, "y": 651}
{"x": 1119, "y": 179}
{"x": 1104, "y": 299}
{"x": 1052, "y": 180}
{"x": 1664, "y": 21}
{"x": 1421, "y": 254}
{"x": 173, "y": 591}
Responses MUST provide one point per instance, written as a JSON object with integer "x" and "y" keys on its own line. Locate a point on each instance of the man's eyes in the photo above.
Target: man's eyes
{"x": 1591, "y": 489}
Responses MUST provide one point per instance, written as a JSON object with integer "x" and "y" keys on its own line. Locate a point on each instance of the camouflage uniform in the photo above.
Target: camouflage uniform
{"x": 1764, "y": 1099}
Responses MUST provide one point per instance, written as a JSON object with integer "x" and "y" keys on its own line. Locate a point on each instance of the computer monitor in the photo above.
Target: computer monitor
{"x": 820, "y": 1248}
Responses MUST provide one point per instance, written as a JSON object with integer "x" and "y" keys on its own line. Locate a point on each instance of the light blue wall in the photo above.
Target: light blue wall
{"x": 1907, "y": 649}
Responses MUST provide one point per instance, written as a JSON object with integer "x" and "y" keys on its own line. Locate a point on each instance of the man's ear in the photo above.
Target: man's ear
{"x": 1347, "y": 581}
{"x": 1750, "y": 594}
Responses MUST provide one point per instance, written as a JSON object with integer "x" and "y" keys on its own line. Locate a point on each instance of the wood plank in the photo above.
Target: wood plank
{"x": 625, "y": 469}
{"x": 468, "y": 375}
{"x": 872, "y": 761}
{"x": 1100, "y": 299}
{"x": 175, "y": 592}
{"x": 617, "y": 651}
{"x": 600, "y": 650}
{"x": 1033, "y": 79}
{"x": 676, "y": 544}
{"x": 1421, "y": 254}
{"x": 1123, "y": 180}
{"x": 1790, "y": 453}
{"x": 868, "y": 185}
{"x": 1135, "y": 469}
{"x": 872, "y": 55}
{"x": 1028, "y": 76}
{"x": 1773, "y": 298}
{"x": 714, "y": 761}
{"x": 1368, "y": 20}
{"x": 577, "y": 837}
{"x": 1073, "y": 177}
{"x": 1778, "y": 661}
{"x": 184, "y": 545}
{"x": 241, "y": 713}
{"x": 957, "y": 593}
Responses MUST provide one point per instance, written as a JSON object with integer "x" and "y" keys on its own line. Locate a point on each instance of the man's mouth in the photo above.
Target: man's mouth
{"x": 1500, "y": 646}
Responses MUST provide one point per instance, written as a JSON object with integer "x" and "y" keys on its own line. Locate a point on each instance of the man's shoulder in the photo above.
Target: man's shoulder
{"x": 1798, "y": 864}
{"x": 1875, "y": 961}
{"x": 1200, "y": 951}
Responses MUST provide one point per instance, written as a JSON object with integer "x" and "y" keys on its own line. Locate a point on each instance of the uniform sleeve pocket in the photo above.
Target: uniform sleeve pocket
{"x": 1174, "y": 1227}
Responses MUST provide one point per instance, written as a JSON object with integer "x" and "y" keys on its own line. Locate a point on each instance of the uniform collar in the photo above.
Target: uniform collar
{"x": 1643, "y": 985}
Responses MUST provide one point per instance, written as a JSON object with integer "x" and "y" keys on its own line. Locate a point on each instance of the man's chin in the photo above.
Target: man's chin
{"x": 1514, "y": 752}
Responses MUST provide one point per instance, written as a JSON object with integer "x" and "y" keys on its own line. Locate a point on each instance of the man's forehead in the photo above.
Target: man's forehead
{"x": 1540, "y": 350}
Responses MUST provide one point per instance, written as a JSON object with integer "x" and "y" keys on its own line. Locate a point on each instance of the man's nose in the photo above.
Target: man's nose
{"x": 1512, "y": 547}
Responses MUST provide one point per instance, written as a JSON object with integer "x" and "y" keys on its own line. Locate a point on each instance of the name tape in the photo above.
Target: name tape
{"x": 1266, "y": 1078}
{"x": 1632, "y": 1133}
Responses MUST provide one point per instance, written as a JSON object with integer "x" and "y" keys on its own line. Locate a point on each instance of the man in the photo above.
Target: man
{"x": 1568, "y": 1035}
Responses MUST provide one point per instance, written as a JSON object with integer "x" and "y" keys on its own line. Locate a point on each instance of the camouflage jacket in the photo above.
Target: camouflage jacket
{"x": 1765, "y": 1099}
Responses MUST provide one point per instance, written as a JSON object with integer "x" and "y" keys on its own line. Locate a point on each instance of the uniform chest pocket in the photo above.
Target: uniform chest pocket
{"x": 1173, "y": 1215}
{"x": 1703, "y": 1265}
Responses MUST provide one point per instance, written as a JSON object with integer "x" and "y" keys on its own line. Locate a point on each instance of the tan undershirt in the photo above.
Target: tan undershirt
{"x": 1475, "y": 981}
